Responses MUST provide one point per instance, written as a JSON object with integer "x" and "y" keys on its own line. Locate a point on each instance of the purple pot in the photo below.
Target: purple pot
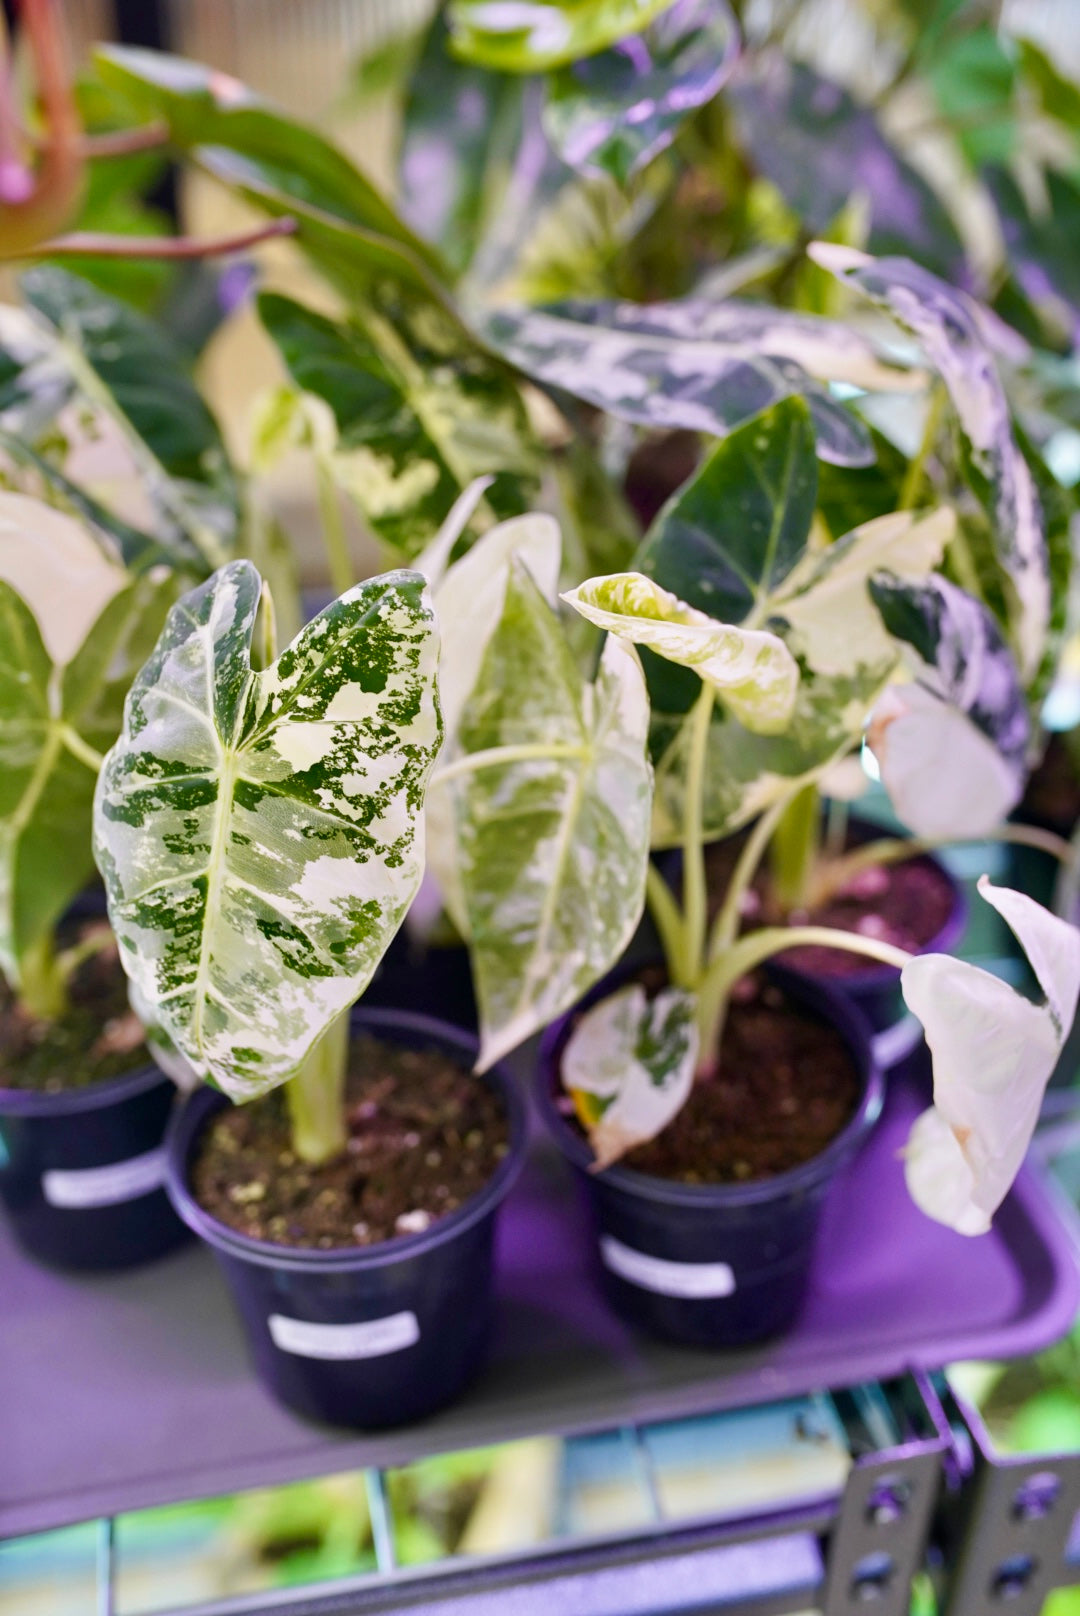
{"x": 713, "y": 1265}
{"x": 82, "y": 1172}
{"x": 367, "y": 1336}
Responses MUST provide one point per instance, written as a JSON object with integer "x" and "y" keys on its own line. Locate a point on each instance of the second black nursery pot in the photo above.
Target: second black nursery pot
{"x": 713, "y": 1265}
{"x": 367, "y": 1336}
{"x": 82, "y": 1172}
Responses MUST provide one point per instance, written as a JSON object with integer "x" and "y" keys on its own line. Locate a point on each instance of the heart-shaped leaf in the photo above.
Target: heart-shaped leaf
{"x": 752, "y": 671}
{"x": 685, "y": 364}
{"x": 954, "y": 334}
{"x": 629, "y": 1065}
{"x": 260, "y": 834}
{"x": 551, "y": 839}
{"x": 615, "y": 111}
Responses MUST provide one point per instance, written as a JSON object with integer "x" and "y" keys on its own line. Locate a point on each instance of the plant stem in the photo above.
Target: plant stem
{"x": 41, "y": 985}
{"x": 794, "y": 847}
{"x": 91, "y": 244}
{"x": 68, "y": 962}
{"x": 316, "y": 1097}
{"x": 752, "y": 950}
{"x": 492, "y": 756}
{"x": 333, "y": 529}
{"x": 895, "y": 849}
{"x": 726, "y": 925}
{"x": 669, "y": 923}
{"x": 913, "y": 480}
{"x": 695, "y": 905}
{"x": 81, "y": 749}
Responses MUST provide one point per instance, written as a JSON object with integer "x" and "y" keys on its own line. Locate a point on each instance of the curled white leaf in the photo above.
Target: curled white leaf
{"x": 629, "y": 1064}
{"x": 945, "y": 778}
{"x": 993, "y": 1053}
{"x": 752, "y": 670}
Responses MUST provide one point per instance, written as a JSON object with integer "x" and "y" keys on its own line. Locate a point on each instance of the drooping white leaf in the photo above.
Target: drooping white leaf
{"x": 434, "y": 561}
{"x": 945, "y": 779}
{"x": 751, "y": 670}
{"x": 629, "y": 1064}
{"x": 993, "y": 1053}
{"x": 548, "y": 846}
{"x": 260, "y": 834}
{"x": 952, "y": 334}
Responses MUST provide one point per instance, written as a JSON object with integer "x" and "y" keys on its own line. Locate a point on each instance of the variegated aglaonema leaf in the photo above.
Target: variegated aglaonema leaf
{"x": 823, "y": 613}
{"x": 613, "y": 112}
{"x": 953, "y": 333}
{"x": 551, "y": 832}
{"x": 73, "y": 629}
{"x": 417, "y": 417}
{"x": 706, "y": 366}
{"x": 752, "y": 671}
{"x": 260, "y": 834}
{"x": 541, "y": 34}
{"x": 951, "y": 747}
{"x": 629, "y": 1066}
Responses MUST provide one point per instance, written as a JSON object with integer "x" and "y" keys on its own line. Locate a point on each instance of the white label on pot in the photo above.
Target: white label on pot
{"x": 690, "y": 1279}
{"x": 372, "y": 1339}
{"x": 105, "y": 1186}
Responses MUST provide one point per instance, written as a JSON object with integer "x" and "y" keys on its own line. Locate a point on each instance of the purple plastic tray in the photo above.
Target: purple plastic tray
{"x": 127, "y": 1391}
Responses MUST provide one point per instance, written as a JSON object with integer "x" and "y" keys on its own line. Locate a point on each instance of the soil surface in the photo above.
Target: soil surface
{"x": 424, "y": 1135}
{"x": 785, "y": 1086}
{"x": 905, "y": 904}
{"x": 1052, "y": 798}
{"x": 100, "y": 1037}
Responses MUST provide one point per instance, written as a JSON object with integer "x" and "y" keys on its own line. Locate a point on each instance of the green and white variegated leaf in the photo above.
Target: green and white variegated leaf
{"x": 834, "y": 625}
{"x": 551, "y": 845}
{"x": 74, "y": 345}
{"x": 73, "y": 629}
{"x": 752, "y": 671}
{"x": 260, "y": 834}
{"x": 993, "y": 1053}
{"x": 615, "y": 111}
{"x": 952, "y": 746}
{"x": 953, "y": 333}
{"x": 417, "y": 416}
{"x": 706, "y": 366}
{"x": 824, "y": 614}
{"x": 530, "y": 37}
{"x": 629, "y": 1065}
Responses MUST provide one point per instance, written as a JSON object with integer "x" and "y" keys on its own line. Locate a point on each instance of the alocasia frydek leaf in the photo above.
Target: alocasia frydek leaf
{"x": 751, "y": 670}
{"x": 260, "y": 834}
{"x": 951, "y": 746}
{"x": 709, "y": 367}
{"x": 613, "y": 112}
{"x": 541, "y": 34}
{"x": 76, "y": 345}
{"x": 551, "y": 839}
{"x": 820, "y": 148}
{"x": 629, "y": 1065}
{"x": 993, "y": 1053}
{"x": 416, "y": 419}
{"x": 952, "y": 332}
{"x": 74, "y": 629}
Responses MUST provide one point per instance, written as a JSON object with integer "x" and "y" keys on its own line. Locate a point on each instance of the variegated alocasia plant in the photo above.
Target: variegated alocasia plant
{"x": 631, "y": 1061}
{"x": 74, "y": 626}
{"x": 260, "y": 832}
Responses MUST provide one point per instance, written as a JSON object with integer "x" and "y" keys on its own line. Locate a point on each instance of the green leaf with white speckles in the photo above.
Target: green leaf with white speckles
{"x": 260, "y": 834}
{"x": 551, "y": 847}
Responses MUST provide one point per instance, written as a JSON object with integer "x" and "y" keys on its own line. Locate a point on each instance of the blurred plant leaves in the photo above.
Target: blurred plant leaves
{"x": 542, "y": 34}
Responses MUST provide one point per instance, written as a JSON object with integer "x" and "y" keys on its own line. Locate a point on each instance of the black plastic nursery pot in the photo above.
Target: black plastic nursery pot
{"x": 371, "y": 1336}
{"x": 82, "y": 1172}
{"x": 713, "y": 1265}
{"x": 432, "y": 979}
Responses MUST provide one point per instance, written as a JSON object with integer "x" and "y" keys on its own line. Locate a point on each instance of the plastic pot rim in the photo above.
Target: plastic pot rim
{"x": 91, "y": 1097}
{"x": 848, "y": 1020}
{"x": 191, "y": 1117}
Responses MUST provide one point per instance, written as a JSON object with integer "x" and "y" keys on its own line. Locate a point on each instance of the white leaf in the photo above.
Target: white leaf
{"x": 993, "y": 1053}
{"x": 944, "y": 777}
{"x": 637, "y": 1056}
{"x": 436, "y": 558}
{"x": 752, "y": 671}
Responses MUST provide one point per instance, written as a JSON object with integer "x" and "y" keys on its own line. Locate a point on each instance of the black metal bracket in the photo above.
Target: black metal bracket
{"x": 1009, "y": 1524}
{"x": 878, "y": 1543}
